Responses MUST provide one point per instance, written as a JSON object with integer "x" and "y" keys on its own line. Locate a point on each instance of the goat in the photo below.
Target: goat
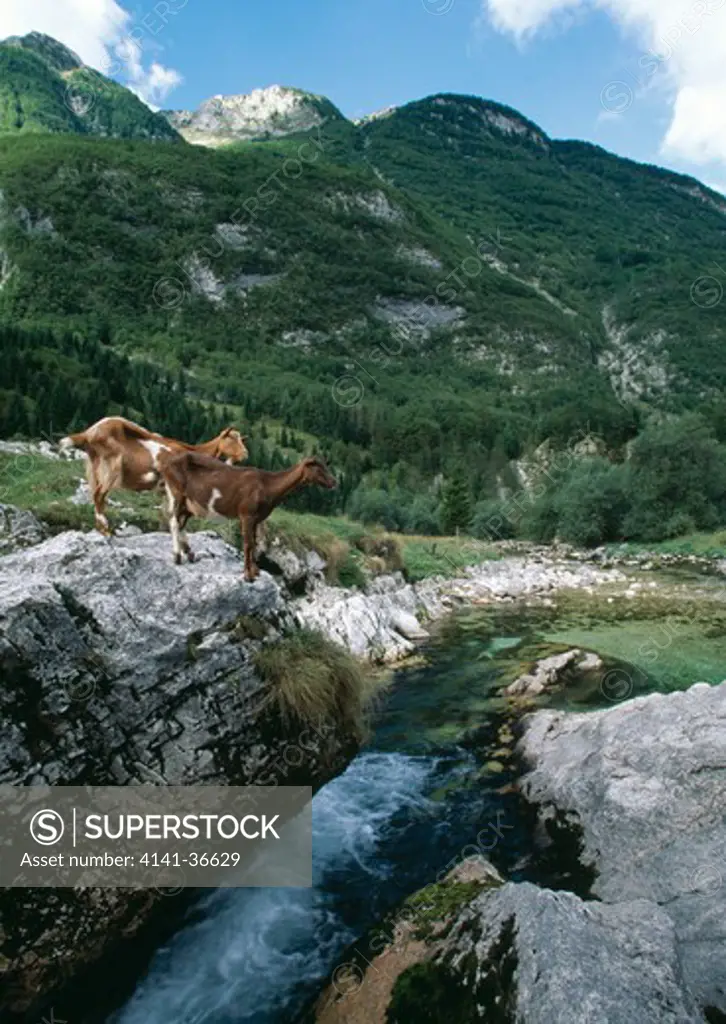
{"x": 197, "y": 485}
{"x": 121, "y": 455}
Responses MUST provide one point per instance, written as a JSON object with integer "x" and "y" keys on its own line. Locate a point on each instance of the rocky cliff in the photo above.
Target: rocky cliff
{"x": 119, "y": 668}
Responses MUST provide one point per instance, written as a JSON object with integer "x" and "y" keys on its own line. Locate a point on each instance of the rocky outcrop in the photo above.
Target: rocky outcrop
{"x": 537, "y": 956}
{"x": 642, "y": 786}
{"x": 549, "y": 672}
{"x": 120, "y": 668}
{"x": 263, "y": 113}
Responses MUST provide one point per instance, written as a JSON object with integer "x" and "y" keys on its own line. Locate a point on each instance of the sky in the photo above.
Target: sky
{"x": 644, "y": 78}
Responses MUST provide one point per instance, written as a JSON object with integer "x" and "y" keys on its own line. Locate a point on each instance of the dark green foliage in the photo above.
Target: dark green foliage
{"x": 99, "y": 235}
{"x": 673, "y": 482}
{"x": 52, "y": 384}
{"x": 494, "y": 519}
{"x": 422, "y": 516}
{"x": 677, "y": 481}
{"x": 430, "y": 993}
{"x": 456, "y": 504}
{"x": 43, "y": 88}
{"x": 591, "y": 503}
{"x": 375, "y": 506}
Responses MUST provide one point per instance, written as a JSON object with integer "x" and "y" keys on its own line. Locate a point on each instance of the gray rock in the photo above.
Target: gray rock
{"x": 644, "y": 782}
{"x": 543, "y": 957}
{"x": 548, "y": 672}
{"x": 19, "y": 529}
{"x": 119, "y": 667}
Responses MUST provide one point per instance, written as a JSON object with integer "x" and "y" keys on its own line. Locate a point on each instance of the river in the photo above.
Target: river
{"x": 434, "y": 776}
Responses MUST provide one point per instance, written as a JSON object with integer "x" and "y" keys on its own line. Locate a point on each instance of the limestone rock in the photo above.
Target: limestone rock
{"x": 119, "y": 667}
{"x": 644, "y": 781}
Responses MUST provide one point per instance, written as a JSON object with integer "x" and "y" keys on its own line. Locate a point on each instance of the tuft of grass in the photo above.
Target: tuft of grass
{"x": 315, "y": 680}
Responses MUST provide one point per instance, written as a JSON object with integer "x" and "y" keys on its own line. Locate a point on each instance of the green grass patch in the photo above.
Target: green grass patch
{"x": 703, "y": 545}
{"x": 443, "y": 556}
{"x": 432, "y": 909}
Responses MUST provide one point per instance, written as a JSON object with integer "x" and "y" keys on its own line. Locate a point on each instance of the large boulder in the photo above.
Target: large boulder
{"x": 639, "y": 789}
{"x": 120, "y": 668}
{"x": 536, "y": 956}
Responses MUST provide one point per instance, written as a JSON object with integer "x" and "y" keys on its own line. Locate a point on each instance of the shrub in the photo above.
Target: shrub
{"x": 375, "y": 506}
{"x": 591, "y": 503}
{"x": 494, "y": 519}
{"x": 422, "y": 517}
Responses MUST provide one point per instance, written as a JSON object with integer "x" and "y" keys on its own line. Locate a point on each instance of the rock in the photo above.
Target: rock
{"x": 535, "y": 956}
{"x": 119, "y": 667}
{"x": 408, "y": 625}
{"x": 19, "y": 529}
{"x": 643, "y": 783}
{"x": 548, "y": 672}
{"x": 410, "y": 937}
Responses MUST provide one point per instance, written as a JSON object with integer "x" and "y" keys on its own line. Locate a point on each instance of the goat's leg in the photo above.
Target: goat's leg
{"x": 249, "y": 530}
{"x": 99, "y": 493}
{"x": 175, "y": 506}
{"x": 184, "y": 517}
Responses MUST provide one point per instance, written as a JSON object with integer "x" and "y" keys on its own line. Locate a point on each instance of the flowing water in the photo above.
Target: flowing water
{"x": 433, "y": 777}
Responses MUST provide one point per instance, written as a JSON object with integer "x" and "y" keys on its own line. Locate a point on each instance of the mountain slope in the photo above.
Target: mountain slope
{"x": 621, "y": 246}
{"x": 44, "y": 87}
{"x": 431, "y": 291}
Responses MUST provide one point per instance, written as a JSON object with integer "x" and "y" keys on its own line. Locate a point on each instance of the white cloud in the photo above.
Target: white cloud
{"x": 103, "y": 34}
{"x": 684, "y": 39}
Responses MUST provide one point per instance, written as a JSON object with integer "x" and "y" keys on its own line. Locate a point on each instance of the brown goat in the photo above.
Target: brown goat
{"x": 121, "y": 455}
{"x": 197, "y": 485}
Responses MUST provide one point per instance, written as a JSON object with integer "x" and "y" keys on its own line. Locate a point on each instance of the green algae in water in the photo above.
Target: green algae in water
{"x": 659, "y": 639}
{"x": 674, "y": 640}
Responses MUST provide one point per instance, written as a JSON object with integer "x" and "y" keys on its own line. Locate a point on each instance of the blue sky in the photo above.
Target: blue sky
{"x": 579, "y": 68}
{"x": 373, "y": 53}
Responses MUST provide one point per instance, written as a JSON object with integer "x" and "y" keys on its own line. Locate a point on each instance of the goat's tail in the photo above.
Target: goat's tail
{"x": 66, "y": 444}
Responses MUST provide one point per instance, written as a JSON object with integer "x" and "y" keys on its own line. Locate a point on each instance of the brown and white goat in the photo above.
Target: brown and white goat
{"x": 121, "y": 455}
{"x": 199, "y": 486}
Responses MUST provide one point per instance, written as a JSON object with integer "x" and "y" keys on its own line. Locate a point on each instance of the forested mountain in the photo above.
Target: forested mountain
{"x": 45, "y": 87}
{"x": 438, "y": 288}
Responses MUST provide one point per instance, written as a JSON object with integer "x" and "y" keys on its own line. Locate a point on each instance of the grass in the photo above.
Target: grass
{"x": 704, "y": 545}
{"x": 443, "y": 556}
{"x": 315, "y": 680}
{"x": 353, "y": 552}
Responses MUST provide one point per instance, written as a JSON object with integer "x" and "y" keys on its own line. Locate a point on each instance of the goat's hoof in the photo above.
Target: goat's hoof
{"x": 191, "y": 557}
{"x": 177, "y": 559}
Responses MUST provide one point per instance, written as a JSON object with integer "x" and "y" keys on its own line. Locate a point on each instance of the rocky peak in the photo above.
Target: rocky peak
{"x": 275, "y": 111}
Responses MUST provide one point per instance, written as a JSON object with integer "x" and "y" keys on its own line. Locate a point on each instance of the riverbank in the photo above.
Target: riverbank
{"x": 101, "y": 641}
